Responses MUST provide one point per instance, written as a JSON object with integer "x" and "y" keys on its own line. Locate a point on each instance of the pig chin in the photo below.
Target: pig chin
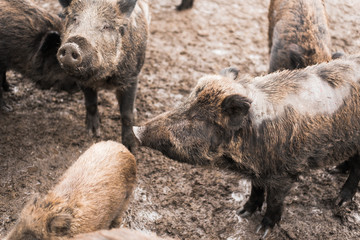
{"x": 184, "y": 154}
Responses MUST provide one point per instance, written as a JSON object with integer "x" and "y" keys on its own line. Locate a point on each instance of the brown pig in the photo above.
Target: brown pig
{"x": 30, "y": 38}
{"x": 270, "y": 129}
{"x": 91, "y": 195}
{"x": 299, "y": 35}
{"x": 103, "y": 45}
{"x": 118, "y": 234}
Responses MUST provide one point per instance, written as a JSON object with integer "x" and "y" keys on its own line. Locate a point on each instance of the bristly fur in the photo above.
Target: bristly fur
{"x": 91, "y": 195}
{"x": 269, "y": 129}
{"x": 298, "y": 34}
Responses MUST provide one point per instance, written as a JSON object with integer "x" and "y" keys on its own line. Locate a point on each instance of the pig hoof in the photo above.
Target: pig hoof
{"x": 266, "y": 225}
{"x": 344, "y": 199}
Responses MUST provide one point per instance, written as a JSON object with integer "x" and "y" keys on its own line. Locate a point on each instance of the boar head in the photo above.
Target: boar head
{"x": 42, "y": 220}
{"x": 202, "y": 129}
{"x": 93, "y": 36}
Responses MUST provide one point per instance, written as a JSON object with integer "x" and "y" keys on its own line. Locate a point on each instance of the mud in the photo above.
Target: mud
{"x": 46, "y": 131}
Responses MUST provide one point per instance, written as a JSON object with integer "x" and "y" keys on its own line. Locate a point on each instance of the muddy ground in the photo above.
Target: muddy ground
{"x": 45, "y": 133}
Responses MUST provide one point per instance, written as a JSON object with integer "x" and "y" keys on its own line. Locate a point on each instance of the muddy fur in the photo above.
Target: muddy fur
{"x": 298, "y": 34}
{"x": 104, "y": 44}
{"x": 119, "y": 234}
{"x": 269, "y": 129}
{"x": 91, "y": 195}
{"x": 30, "y": 38}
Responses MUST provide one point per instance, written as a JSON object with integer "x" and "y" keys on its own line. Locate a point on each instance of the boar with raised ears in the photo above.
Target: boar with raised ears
{"x": 298, "y": 34}
{"x": 118, "y": 234}
{"x": 30, "y": 38}
{"x": 91, "y": 195}
{"x": 185, "y": 4}
{"x": 269, "y": 129}
{"x": 104, "y": 43}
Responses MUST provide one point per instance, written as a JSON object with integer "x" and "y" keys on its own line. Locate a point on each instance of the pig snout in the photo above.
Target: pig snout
{"x": 69, "y": 55}
{"x": 138, "y": 131}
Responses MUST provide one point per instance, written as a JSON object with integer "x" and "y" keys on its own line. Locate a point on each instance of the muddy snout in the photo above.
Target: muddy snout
{"x": 77, "y": 56}
{"x": 69, "y": 55}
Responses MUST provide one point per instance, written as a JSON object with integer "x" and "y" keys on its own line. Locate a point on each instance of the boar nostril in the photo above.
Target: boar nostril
{"x": 74, "y": 55}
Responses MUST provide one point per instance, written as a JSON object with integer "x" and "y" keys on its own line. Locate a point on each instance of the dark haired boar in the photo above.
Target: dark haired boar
{"x": 299, "y": 35}
{"x": 270, "y": 128}
{"x": 119, "y": 234}
{"x": 30, "y": 38}
{"x": 104, "y": 45}
{"x": 91, "y": 195}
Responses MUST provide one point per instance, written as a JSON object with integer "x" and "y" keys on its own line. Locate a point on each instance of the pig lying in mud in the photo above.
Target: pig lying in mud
{"x": 103, "y": 45}
{"x": 185, "y": 4}
{"x": 269, "y": 129}
{"x": 91, "y": 195}
{"x": 30, "y": 38}
{"x": 299, "y": 34}
{"x": 118, "y": 234}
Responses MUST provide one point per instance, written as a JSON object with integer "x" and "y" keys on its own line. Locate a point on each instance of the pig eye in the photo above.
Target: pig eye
{"x": 107, "y": 27}
{"x": 122, "y": 30}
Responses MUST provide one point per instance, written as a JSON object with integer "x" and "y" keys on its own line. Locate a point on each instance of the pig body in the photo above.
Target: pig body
{"x": 298, "y": 34}
{"x": 104, "y": 45}
{"x": 270, "y": 128}
{"x": 30, "y": 38}
{"x": 118, "y": 234}
{"x": 91, "y": 195}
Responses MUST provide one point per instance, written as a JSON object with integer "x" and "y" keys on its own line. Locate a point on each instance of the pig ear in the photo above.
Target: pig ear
{"x": 65, "y": 3}
{"x": 50, "y": 43}
{"x": 127, "y": 6}
{"x": 59, "y": 224}
{"x": 230, "y": 72}
{"x": 235, "y": 107}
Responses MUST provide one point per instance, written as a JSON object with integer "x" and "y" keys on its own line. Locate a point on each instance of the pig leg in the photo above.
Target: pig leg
{"x": 4, "y": 84}
{"x": 92, "y": 114}
{"x": 126, "y": 100}
{"x": 349, "y": 189}
{"x": 255, "y": 201}
{"x": 185, "y": 4}
{"x": 274, "y": 199}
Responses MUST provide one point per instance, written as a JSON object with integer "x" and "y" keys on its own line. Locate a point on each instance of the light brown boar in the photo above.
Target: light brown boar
{"x": 298, "y": 34}
{"x": 103, "y": 45}
{"x": 270, "y": 129}
{"x": 119, "y": 234}
{"x": 91, "y": 195}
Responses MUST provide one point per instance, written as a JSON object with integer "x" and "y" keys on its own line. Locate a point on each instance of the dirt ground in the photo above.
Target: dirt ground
{"x": 46, "y": 131}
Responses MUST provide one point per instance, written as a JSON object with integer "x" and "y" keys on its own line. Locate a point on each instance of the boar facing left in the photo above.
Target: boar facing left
{"x": 269, "y": 129}
{"x": 103, "y": 45}
{"x": 91, "y": 195}
{"x": 30, "y": 38}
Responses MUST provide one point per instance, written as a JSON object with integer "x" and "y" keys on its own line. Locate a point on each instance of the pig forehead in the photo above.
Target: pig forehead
{"x": 99, "y": 7}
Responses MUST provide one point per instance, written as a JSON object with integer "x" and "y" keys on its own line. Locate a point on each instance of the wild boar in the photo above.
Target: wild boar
{"x": 104, "y": 45}
{"x": 270, "y": 128}
{"x": 298, "y": 34}
{"x": 185, "y": 4}
{"x": 91, "y": 195}
{"x": 118, "y": 234}
{"x": 30, "y": 38}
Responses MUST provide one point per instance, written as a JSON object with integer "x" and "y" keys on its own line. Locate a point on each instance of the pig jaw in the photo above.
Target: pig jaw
{"x": 171, "y": 147}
